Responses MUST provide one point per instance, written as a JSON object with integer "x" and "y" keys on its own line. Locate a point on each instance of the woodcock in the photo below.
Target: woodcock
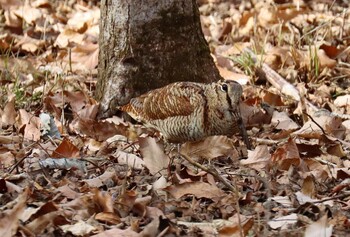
{"x": 189, "y": 111}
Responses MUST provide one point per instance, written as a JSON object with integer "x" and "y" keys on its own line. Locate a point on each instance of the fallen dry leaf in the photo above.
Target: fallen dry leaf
{"x": 319, "y": 228}
{"x": 153, "y": 155}
{"x": 209, "y": 148}
{"x": 9, "y": 114}
{"x": 80, "y": 228}
{"x": 286, "y": 155}
{"x": 309, "y": 188}
{"x": 284, "y": 222}
{"x": 30, "y": 125}
{"x": 330, "y": 124}
{"x": 281, "y": 120}
{"x": 9, "y": 221}
{"x": 258, "y": 159}
{"x": 117, "y": 232}
{"x": 198, "y": 189}
{"x": 66, "y": 150}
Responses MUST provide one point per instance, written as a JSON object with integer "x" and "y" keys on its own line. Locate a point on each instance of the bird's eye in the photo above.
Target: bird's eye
{"x": 224, "y": 87}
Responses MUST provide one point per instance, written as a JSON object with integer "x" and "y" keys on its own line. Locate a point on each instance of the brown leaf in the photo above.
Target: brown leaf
{"x": 244, "y": 224}
{"x": 330, "y": 124}
{"x": 336, "y": 150}
{"x": 209, "y": 148}
{"x": 126, "y": 202}
{"x": 8, "y": 4}
{"x": 66, "y": 150}
{"x": 108, "y": 217}
{"x": 308, "y": 188}
{"x": 272, "y": 99}
{"x": 29, "y": 125}
{"x": 286, "y": 155}
{"x": 43, "y": 209}
{"x": 271, "y": 15}
{"x": 29, "y": 44}
{"x": 226, "y": 30}
{"x": 7, "y": 159}
{"x": 10, "y": 219}
{"x": 101, "y": 180}
{"x": 254, "y": 116}
{"x": 158, "y": 227}
{"x": 103, "y": 200}
{"x": 78, "y": 100}
{"x": 324, "y": 60}
{"x": 9, "y": 114}
{"x": 68, "y": 192}
{"x": 330, "y": 50}
{"x": 99, "y": 130}
{"x": 86, "y": 55}
{"x": 117, "y": 232}
{"x": 13, "y": 21}
{"x": 198, "y": 189}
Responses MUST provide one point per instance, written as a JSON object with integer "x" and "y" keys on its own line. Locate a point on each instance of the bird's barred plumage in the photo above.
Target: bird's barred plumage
{"x": 188, "y": 111}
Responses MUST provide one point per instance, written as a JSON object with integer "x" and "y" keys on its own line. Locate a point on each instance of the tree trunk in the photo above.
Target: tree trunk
{"x": 149, "y": 44}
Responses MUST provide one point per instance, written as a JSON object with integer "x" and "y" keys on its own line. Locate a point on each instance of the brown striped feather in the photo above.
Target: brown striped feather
{"x": 170, "y": 101}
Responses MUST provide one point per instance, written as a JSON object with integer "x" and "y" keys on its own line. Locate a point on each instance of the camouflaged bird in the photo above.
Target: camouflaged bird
{"x": 189, "y": 111}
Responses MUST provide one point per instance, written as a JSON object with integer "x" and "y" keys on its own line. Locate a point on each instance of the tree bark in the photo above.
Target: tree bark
{"x": 149, "y": 44}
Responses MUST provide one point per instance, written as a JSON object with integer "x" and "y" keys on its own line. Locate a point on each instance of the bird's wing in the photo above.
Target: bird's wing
{"x": 177, "y": 99}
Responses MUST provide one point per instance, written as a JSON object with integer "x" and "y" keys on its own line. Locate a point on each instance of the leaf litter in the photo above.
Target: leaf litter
{"x": 65, "y": 172}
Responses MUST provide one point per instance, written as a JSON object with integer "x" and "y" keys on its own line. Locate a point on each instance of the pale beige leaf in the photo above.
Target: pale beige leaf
{"x": 130, "y": 159}
{"x": 160, "y": 183}
{"x": 209, "y": 148}
{"x": 117, "y": 232}
{"x": 153, "y": 155}
{"x": 319, "y": 228}
{"x": 9, "y": 114}
{"x": 101, "y": 180}
{"x": 7, "y": 159}
{"x": 229, "y": 75}
{"x": 258, "y": 158}
{"x": 343, "y": 100}
{"x": 283, "y": 222}
{"x": 330, "y": 124}
{"x": 31, "y": 125}
{"x": 198, "y": 189}
{"x": 67, "y": 36}
{"x": 282, "y": 121}
{"x": 29, "y": 14}
{"x": 68, "y": 192}
{"x": 80, "y": 228}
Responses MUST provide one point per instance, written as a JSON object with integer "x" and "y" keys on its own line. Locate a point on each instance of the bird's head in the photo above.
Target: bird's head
{"x": 230, "y": 90}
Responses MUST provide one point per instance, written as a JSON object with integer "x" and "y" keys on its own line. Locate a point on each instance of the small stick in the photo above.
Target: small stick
{"x": 313, "y": 120}
{"x": 210, "y": 171}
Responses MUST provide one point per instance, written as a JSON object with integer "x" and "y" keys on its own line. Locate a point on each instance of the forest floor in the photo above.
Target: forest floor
{"x": 64, "y": 173}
